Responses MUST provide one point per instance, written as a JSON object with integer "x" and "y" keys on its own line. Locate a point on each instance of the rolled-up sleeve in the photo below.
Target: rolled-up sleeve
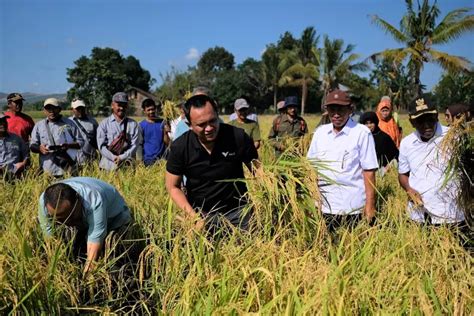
{"x": 45, "y": 223}
{"x": 403, "y": 164}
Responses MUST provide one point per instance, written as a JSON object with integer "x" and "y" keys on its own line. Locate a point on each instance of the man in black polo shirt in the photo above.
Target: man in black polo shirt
{"x": 209, "y": 155}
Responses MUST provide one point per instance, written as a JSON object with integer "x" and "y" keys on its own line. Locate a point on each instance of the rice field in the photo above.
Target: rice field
{"x": 288, "y": 264}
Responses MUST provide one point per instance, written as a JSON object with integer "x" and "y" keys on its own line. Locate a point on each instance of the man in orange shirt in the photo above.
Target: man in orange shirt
{"x": 19, "y": 123}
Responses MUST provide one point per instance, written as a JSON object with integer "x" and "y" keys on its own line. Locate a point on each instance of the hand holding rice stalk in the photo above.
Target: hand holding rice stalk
{"x": 457, "y": 149}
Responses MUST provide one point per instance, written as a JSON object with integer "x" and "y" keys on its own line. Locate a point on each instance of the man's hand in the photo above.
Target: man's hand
{"x": 117, "y": 160}
{"x": 369, "y": 212}
{"x": 44, "y": 149}
{"x": 415, "y": 197}
{"x": 19, "y": 166}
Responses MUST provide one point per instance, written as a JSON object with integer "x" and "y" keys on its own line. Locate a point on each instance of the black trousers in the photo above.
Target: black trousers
{"x": 334, "y": 222}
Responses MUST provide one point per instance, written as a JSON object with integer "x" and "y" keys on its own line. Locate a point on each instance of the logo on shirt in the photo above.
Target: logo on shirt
{"x": 226, "y": 153}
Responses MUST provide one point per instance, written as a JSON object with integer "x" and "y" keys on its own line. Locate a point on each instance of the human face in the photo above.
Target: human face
{"x": 79, "y": 112}
{"x": 15, "y": 106}
{"x": 150, "y": 112}
{"x": 425, "y": 125}
{"x": 291, "y": 110}
{"x": 370, "y": 125}
{"x": 339, "y": 114}
{"x": 119, "y": 109}
{"x": 204, "y": 123}
{"x": 66, "y": 213}
{"x": 385, "y": 114}
{"x": 52, "y": 112}
{"x": 242, "y": 113}
{"x": 448, "y": 116}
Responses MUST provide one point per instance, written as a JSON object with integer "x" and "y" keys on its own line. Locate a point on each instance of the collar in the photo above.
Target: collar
{"x": 438, "y": 132}
{"x": 113, "y": 118}
{"x": 350, "y": 124}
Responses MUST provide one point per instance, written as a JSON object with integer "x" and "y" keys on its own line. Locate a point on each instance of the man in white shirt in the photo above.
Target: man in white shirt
{"x": 422, "y": 169}
{"x": 347, "y": 150}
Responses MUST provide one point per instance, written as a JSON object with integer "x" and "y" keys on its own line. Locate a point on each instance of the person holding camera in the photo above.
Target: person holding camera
{"x": 117, "y": 135}
{"x": 87, "y": 126}
{"x": 57, "y": 140}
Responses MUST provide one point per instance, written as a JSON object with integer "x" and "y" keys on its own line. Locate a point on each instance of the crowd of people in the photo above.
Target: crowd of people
{"x": 203, "y": 155}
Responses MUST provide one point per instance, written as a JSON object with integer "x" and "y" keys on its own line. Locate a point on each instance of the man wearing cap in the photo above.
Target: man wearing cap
{"x": 14, "y": 153}
{"x": 87, "y": 126}
{"x": 347, "y": 182}
{"x": 211, "y": 155}
{"x": 18, "y": 122}
{"x": 288, "y": 124}
{"x": 242, "y": 121}
{"x": 56, "y": 139}
{"x": 154, "y": 133}
{"x": 117, "y": 135}
{"x": 422, "y": 169}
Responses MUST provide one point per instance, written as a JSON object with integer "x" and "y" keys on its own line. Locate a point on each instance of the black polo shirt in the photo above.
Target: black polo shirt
{"x": 207, "y": 175}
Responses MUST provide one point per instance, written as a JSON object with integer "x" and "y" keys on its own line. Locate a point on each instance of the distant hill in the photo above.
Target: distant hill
{"x": 31, "y": 98}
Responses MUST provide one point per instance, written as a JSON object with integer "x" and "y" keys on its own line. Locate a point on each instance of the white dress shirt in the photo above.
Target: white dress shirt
{"x": 344, "y": 155}
{"x": 427, "y": 165}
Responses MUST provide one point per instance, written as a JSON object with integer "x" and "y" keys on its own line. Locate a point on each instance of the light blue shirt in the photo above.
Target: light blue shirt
{"x": 12, "y": 150}
{"x": 108, "y": 130}
{"x": 104, "y": 209}
{"x": 62, "y": 131}
{"x": 87, "y": 127}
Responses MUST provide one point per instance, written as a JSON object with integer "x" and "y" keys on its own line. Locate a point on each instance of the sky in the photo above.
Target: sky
{"x": 40, "y": 39}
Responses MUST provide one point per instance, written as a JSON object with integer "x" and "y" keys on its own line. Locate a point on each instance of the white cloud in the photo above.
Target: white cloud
{"x": 193, "y": 53}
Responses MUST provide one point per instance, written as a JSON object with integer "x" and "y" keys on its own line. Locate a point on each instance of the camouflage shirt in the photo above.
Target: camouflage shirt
{"x": 283, "y": 127}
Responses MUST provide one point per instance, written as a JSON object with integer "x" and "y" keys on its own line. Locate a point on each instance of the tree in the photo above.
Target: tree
{"x": 176, "y": 84}
{"x": 97, "y": 78}
{"x": 337, "y": 63}
{"x": 454, "y": 88}
{"x": 301, "y": 64}
{"x": 212, "y": 62}
{"x": 271, "y": 71}
{"x": 394, "y": 80}
{"x": 419, "y": 32}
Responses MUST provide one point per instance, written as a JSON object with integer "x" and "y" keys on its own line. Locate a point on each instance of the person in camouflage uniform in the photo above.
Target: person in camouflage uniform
{"x": 287, "y": 125}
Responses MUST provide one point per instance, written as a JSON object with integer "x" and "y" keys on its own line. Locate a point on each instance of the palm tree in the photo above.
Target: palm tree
{"x": 271, "y": 71}
{"x": 337, "y": 63}
{"x": 300, "y": 66}
{"x": 419, "y": 32}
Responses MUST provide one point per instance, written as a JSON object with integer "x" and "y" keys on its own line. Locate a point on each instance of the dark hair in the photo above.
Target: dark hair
{"x": 198, "y": 101}
{"x": 457, "y": 109}
{"x": 57, "y": 193}
{"x": 150, "y": 102}
{"x": 369, "y": 116}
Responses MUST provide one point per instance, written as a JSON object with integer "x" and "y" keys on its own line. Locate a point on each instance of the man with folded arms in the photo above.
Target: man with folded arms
{"x": 14, "y": 153}
{"x": 87, "y": 126}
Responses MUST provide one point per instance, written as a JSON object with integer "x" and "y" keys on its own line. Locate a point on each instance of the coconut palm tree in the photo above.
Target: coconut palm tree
{"x": 337, "y": 63}
{"x": 418, "y": 33}
{"x": 271, "y": 71}
{"x": 300, "y": 66}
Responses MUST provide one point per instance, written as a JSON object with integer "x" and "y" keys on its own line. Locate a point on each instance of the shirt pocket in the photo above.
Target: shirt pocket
{"x": 349, "y": 159}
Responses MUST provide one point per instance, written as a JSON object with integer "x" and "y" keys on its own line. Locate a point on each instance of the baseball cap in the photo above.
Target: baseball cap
{"x": 77, "y": 103}
{"x": 120, "y": 97}
{"x": 421, "y": 107}
{"x": 280, "y": 105}
{"x": 292, "y": 100}
{"x": 51, "y": 101}
{"x": 338, "y": 97}
{"x": 240, "y": 104}
{"x": 3, "y": 116}
{"x": 15, "y": 97}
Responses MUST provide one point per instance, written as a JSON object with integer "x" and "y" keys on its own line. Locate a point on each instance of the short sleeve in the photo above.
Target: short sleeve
{"x": 249, "y": 152}
{"x": 368, "y": 156}
{"x": 175, "y": 163}
{"x": 97, "y": 221}
{"x": 45, "y": 223}
{"x": 403, "y": 164}
{"x": 313, "y": 147}
{"x": 256, "y": 132}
